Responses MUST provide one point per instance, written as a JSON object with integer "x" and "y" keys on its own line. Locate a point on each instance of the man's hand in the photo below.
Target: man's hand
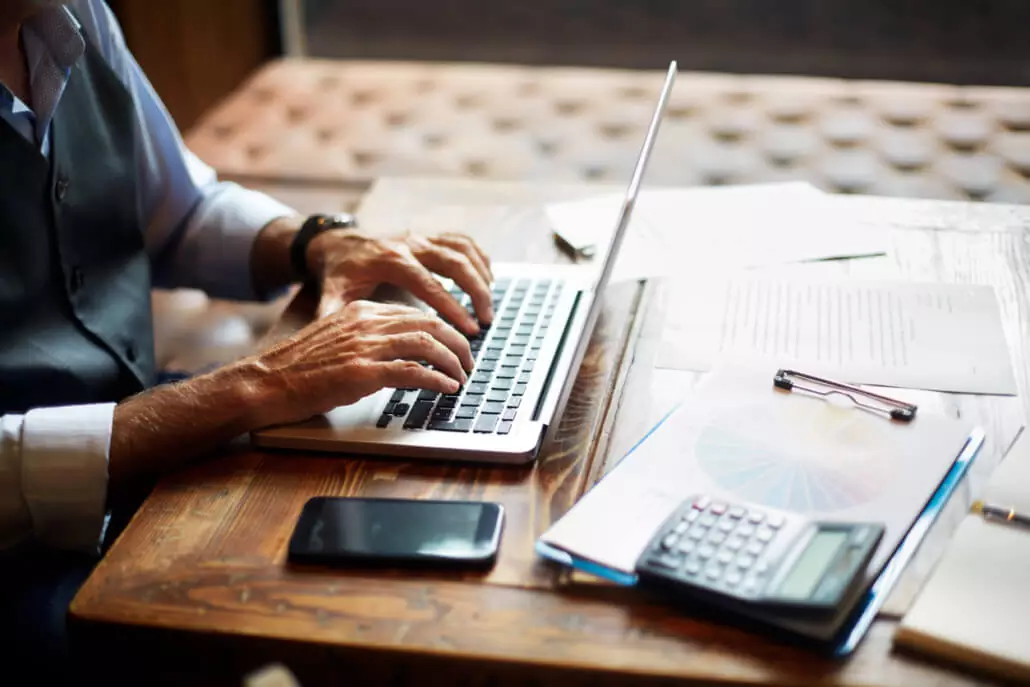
{"x": 360, "y": 349}
{"x": 333, "y": 361}
{"x": 352, "y": 265}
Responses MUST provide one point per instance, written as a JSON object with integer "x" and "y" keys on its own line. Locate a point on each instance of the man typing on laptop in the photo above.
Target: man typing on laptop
{"x": 100, "y": 201}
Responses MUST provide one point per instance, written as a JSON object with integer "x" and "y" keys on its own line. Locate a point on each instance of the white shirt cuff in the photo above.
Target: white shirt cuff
{"x": 225, "y": 225}
{"x": 64, "y": 455}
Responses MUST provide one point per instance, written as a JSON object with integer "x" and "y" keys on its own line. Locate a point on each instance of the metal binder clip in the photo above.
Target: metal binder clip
{"x": 790, "y": 380}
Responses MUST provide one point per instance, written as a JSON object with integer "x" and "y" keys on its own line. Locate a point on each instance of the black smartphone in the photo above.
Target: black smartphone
{"x": 335, "y": 530}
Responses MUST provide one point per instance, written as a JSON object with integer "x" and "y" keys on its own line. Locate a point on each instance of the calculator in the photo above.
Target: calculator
{"x": 737, "y": 552}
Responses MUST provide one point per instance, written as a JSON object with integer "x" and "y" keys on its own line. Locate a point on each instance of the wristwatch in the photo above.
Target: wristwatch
{"x": 312, "y": 227}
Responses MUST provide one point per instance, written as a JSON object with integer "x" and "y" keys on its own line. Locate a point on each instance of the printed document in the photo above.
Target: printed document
{"x": 940, "y": 337}
{"x": 672, "y": 230}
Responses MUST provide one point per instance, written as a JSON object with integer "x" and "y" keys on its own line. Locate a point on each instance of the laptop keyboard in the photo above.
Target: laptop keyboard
{"x": 505, "y": 354}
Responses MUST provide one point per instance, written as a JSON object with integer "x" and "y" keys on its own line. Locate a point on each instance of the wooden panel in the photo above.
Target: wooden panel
{"x": 196, "y": 52}
{"x": 198, "y": 582}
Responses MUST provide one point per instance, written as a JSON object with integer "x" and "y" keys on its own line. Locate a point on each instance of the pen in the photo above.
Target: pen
{"x": 1008, "y": 515}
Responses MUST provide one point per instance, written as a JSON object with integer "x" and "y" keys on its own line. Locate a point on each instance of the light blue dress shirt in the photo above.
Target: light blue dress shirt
{"x": 198, "y": 232}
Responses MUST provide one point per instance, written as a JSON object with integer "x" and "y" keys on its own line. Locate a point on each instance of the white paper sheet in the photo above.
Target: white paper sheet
{"x": 731, "y": 227}
{"x": 737, "y": 438}
{"x": 941, "y": 337}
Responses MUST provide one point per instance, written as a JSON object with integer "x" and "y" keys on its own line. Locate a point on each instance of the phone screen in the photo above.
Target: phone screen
{"x": 333, "y": 528}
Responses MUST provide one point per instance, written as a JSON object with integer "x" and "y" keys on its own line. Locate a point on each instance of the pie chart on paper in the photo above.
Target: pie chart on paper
{"x": 809, "y": 457}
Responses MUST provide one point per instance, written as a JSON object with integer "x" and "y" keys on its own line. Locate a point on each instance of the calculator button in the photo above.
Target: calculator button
{"x": 754, "y": 548}
{"x": 702, "y": 502}
{"x": 725, "y": 557}
{"x": 691, "y": 515}
{"x": 718, "y": 508}
{"x": 692, "y": 567}
{"x": 736, "y": 512}
{"x": 733, "y": 578}
{"x": 686, "y": 546}
{"x": 705, "y": 551}
{"x": 755, "y": 517}
{"x": 726, "y": 525}
{"x": 734, "y": 543}
{"x": 666, "y": 561}
{"x": 745, "y": 530}
{"x": 764, "y": 534}
{"x": 681, "y": 527}
{"x": 776, "y": 521}
{"x": 716, "y": 538}
{"x": 698, "y": 532}
{"x": 744, "y": 561}
{"x": 670, "y": 541}
{"x": 713, "y": 571}
{"x": 707, "y": 520}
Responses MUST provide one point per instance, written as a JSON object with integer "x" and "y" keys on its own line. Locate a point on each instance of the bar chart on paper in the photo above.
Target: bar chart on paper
{"x": 942, "y": 337}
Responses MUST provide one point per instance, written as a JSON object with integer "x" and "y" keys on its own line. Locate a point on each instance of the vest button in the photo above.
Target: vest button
{"x": 61, "y": 188}
{"x": 131, "y": 353}
{"x": 76, "y": 279}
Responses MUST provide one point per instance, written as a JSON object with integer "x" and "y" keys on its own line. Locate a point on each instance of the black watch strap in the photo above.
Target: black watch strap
{"x": 312, "y": 227}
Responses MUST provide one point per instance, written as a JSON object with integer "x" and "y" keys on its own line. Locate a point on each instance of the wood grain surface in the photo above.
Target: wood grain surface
{"x": 197, "y": 590}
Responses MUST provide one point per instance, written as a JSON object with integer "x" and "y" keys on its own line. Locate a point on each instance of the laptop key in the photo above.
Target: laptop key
{"x": 503, "y": 427}
{"x": 481, "y": 377}
{"x": 505, "y": 373}
{"x": 524, "y": 378}
{"x": 400, "y": 410}
{"x": 528, "y": 365}
{"x": 514, "y": 401}
{"x": 519, "y": 390}
{"x": 455, "y": 426}
{"x": 509, "y": 414}
{"x": 511, "y": 361}
{"x": 418, "y": 415}
{"x": 501, "y": 385}
{"x": 496, "y": 396}
{"x": 398, "y": 396}
{"x": 448, "y": 401}
{"x": 520, "y": 340}
{"x": 442, "y": 415}
{"x": 388, "y": 410}
{"x": 384, "y": 420}
{"x": 475, "y": 389}
{"x": 465, "y": 413}
{"x": 471, "y": 401}
{"x": 486, "y": 367}
{"x": 428, "y": 395}
{"x": 492, "y": 408}
{"x": 492, "y": 356}
{"x": 485, "y": 424}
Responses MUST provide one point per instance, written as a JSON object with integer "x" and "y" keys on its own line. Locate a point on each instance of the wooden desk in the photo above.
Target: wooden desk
{"x": 197, "y": 584}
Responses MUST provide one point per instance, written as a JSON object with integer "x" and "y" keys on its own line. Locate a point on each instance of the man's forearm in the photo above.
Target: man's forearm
{"x": 270, "y": 257}
{"x": 165, "y": 427}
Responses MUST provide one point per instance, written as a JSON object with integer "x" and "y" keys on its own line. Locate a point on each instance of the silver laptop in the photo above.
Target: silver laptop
{"x": 526, "y": 364}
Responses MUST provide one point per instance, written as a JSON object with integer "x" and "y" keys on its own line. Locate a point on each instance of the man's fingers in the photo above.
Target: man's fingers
{"x": 443, "y": 332}
{"x": 413, "y": 276}
{"x": 401, "y": 374}
{"x": 422, "y": 347}
{"x": 470, "y": 250}
{"x": 450, "y": 263}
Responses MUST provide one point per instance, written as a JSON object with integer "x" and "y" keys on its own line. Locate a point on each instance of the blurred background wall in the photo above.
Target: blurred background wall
{"x": 196, "y": 51}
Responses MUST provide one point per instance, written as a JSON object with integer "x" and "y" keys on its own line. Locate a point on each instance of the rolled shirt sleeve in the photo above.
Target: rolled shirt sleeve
{"x": 53, "y": 476}
{"x": 199, "y": 231}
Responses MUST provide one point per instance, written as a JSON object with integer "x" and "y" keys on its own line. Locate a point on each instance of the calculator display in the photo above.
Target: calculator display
{"x": 810, "y": 566}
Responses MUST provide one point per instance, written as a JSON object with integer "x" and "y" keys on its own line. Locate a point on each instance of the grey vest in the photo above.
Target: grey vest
{"x": 75, "y": 321}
